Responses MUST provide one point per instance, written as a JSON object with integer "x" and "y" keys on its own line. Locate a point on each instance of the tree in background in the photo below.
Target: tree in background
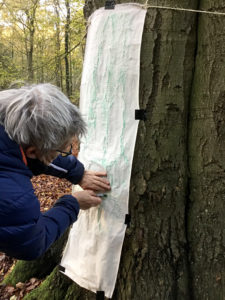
{"x": 23, "y": 14}
{"x": 39, "y": 35}
{"x": 29, "y": 31}
{"x": 67, "y": 36}
{"x": 174, "y": 248}
{"x": 58, "y": 66}
{"x": 8, "y": 70}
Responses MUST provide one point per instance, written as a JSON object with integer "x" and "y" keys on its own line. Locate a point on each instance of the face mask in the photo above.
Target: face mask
{"x": 36, "y": 166}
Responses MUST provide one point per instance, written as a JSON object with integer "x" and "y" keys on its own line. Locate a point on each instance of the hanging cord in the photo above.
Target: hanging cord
{"x": 146, "y": 6}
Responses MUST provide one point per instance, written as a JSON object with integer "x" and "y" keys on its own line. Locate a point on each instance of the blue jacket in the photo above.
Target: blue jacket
{"x": 25, "y": 232}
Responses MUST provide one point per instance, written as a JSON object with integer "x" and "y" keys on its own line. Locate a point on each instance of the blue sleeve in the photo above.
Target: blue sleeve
{"x": 66, "y": 167}
{"x": 51, "y": 225}
{"x": 28, "y": 233}
{"x": 59, "y": 218}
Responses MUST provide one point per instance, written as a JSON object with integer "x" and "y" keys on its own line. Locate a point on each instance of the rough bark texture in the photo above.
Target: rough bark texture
{"x": 206, "y": 221}
{"x": 154, "y": 262}
{"x": 174, "y": 248}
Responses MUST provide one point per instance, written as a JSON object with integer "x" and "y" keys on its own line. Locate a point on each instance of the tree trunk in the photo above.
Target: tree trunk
{"x": 206, "y": 210}
{"x": 174, "y": 248}
{"x": 71, "y": 73}
{"x": 67, "y": 29}
{"x": 30, "y": 14}
{"x": 58, "y": 69}
{"x": 154, "y": 263}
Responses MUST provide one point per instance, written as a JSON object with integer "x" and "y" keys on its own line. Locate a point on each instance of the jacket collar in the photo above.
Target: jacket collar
{"x": 11, "y": 156}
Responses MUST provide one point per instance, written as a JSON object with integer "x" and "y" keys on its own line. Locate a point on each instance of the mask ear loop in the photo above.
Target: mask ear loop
{"x": 23, "y": 156}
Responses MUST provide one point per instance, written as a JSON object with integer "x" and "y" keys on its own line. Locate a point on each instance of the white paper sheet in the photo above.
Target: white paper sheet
{"x": 109, "y": 97}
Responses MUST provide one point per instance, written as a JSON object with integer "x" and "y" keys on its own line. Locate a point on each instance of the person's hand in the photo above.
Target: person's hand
{"x": 87, "y": 199}
{"x": 95, "y": 181}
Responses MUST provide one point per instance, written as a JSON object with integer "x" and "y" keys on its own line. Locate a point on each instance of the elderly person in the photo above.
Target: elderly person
{"x": 37, "y": 126}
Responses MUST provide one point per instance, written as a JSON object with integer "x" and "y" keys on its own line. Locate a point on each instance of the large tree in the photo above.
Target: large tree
{"x": 174, "y": 248}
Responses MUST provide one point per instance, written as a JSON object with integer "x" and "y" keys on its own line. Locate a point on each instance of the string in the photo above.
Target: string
{"x": 183, "y": 9}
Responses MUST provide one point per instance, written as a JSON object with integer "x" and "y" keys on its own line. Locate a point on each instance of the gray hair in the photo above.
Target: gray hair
{"x": 40, "y": 115}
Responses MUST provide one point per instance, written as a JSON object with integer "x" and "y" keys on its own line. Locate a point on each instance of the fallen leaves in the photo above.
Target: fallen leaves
{"x": 9, "y": 292}
{"x": 48, "y": 189}
{"x": 5, "y": 265}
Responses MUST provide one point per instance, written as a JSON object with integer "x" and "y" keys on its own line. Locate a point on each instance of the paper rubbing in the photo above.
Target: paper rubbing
{"x": 109, "y": 97}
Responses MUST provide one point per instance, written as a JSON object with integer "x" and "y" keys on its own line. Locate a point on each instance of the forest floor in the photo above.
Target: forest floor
{"x": 48, "y": 189}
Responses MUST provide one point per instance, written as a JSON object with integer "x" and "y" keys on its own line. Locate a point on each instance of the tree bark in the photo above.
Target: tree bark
{"x": 206, "y": 222}
{"x": 30, "y": 24}
{"x": 67, "y": 29}
{"x": 154, "y": 263}
{"x": 174, "y": 248}
{"x": 58, "y": 67}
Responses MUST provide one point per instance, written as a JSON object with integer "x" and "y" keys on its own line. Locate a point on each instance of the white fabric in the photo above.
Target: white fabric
{"x": 109, "y": 97}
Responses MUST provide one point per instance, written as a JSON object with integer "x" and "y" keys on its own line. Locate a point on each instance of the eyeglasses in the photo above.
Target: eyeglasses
{"x": 65, "y": 153}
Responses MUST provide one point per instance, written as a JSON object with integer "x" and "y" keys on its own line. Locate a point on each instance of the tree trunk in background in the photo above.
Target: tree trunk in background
{"x": 67, "y": 30}
{"x": 58, "y": 68}
{"x": 174, "y": 248}
{"x": 71, "y": 73}
{"x": 30, "y": 28}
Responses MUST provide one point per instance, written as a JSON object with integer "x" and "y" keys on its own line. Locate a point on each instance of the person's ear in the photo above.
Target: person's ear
{"x": 31, "y": 152}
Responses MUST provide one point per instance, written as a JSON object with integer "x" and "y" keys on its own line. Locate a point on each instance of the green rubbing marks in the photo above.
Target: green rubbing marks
{"x": 107, "y": 86}
{"x": 123, "y": 81}
{"x": 95, "y": 86}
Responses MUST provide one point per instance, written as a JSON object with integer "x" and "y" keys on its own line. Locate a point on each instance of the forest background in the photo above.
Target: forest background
{"x": 42, "y": 41}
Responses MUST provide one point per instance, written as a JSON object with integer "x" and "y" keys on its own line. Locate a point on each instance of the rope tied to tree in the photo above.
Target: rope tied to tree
{"x": 146, "y": 6}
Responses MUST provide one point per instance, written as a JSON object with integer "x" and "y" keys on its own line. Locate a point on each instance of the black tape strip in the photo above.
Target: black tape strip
{"x": 140, "y": 114}
{"x": 100, "y": 295}
{"x": 109, "y": 4}
{"x": 127, "y": 220}
{"x": 61, "y": 268}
